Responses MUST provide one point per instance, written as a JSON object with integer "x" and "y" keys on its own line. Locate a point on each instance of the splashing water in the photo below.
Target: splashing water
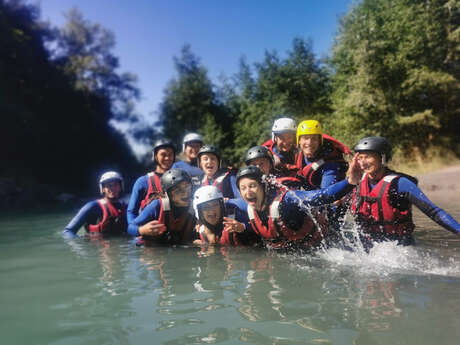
{"x": 383, "y": 258}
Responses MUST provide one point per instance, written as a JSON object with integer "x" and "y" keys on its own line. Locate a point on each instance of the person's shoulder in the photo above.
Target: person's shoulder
{"x": 238, "y": 202}
{"x": 403, "y": 178}
{"x": 180, "y": 165}
{"x": 141, "y": 179}
{"x": 91, "y": 206}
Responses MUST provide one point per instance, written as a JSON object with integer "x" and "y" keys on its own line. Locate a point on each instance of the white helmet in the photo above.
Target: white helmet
{"x": 110, "y": 176}
{"x": 205, "y": 194}
{"x": 191, "y": 137}
{"x": 283, "y": 125}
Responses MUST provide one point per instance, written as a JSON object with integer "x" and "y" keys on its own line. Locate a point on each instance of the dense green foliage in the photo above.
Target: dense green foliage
{"x": 56, "y": 103}
{"x": 394, "y": 71}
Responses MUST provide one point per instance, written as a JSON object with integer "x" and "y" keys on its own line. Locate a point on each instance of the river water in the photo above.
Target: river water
{"x": 96, "y": 291}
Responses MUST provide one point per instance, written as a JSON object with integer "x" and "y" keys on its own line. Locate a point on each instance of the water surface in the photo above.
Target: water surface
{"x": 99, "y": 291}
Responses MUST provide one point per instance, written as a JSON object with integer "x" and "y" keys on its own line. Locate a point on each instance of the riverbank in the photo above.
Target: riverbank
{"x": 442, "y": 185}
{"x": 23, "y": 194}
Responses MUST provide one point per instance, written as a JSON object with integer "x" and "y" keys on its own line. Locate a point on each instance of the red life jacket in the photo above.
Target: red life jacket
{"x": 178, "y": 230}
{"x": 227, "y": 238}
{"x": 218, "y": 181}
{"x": 291, "y": 182}
{"x": 154, "y": 191}
{"x": 286, "y": 168}
{"x": 310, "y": 172}
{"x": 374, "y": 211}
{"x": 113, "y": 219}
{"x": 278, "y": 234}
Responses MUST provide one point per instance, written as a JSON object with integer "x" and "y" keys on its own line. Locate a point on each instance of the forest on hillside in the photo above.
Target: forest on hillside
{"x": 394, "y": 71}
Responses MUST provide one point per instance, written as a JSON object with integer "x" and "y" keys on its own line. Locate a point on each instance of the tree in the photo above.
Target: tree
{"x": 84, "y": 50}
{"x": 52, "y": 132}
{"x": 395, "y": 73}
{"x": 190, "y": 103}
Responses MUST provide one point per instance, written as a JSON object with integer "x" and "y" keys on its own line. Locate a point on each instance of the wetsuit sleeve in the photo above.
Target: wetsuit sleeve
{"x": 320, "y": 196}
{"x": 332, "y": 173}
{"x": 150, "y": 212}
{"x": 192, "y": 170}
{"x": 232, "y": 186}
{"x": 409, "y": 191}
{"x": 88, "y": 214}
{"x": 137, "y": 195}
{"x": 239, "y": 208}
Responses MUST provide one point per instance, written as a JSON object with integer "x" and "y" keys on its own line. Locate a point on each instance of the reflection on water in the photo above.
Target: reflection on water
{"x": 108, "y": 291}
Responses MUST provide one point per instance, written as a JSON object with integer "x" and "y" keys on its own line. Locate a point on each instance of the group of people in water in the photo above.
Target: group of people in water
{"x": 292, "y": 192}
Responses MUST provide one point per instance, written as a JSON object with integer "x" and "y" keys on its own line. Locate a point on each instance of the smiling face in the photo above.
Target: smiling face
{"x": 112, "y": 190}
{"x": 285, "y": 141}
{"x": 181, "y": 194}
{"x": 191, "y": 150}
{"x": 209, "y": 164}
{"x": 263, "y": 164}
{"x": 211, "y": 211}
{"x": 309, "y": 144}
{"x": 371, "y": 164}
{"x": 252, "y": 192}
{"x": 164, "y": 159}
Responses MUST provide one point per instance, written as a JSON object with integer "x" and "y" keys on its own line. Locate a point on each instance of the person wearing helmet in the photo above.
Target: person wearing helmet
{"x": 168, "y": 220}
{"x": 223, "y": 178}
{"x": 148, "y": 187}
{"x": 282, "y": 146}
{"x": 286, "y": 219}
{"x": 191, "y": 144}
{"x": 321, "y": 159}
{"x": 382, "y": 201}
{"x": 218, "y": 223}
{"x": 106, "y": 215}
{"x": 261, "y": 157}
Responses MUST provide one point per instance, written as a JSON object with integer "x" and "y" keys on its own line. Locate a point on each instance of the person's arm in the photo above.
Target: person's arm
{"x": 409, "y": 190}
{"x": 238, "y": 208}
{"x": 331, "y": 173}
{"x": 146, "y": 223}
{"x": 138, "y": 193}
{"x": 236, "y": 192}
{"x": 320, "y": 196}
{"x": 330, "y": 194}
{"x": 88, "y": 214}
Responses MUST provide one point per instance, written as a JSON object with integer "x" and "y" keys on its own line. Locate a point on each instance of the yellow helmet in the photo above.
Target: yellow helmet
{"x": 309, "y": 127}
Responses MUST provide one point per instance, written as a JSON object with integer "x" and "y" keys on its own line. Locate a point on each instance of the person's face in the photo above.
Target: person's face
{"x": 211, "y": 211}
{"x": 309, "y": 144}
{"x": 370, "y": 163}
{"x": 191, "y": 150}
{"x": 252, "y": 192}
{"x": 181, "y": 194}
{"x": 209, "y": 164}
{"x": 263, "y": 164}
{"x": 165, "y": 158}
{"x": 111, "y": 189}
{"x": 285, "y": 141}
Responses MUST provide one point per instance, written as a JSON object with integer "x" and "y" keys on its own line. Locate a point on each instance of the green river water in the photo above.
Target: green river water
{"x": 96, "y": 291}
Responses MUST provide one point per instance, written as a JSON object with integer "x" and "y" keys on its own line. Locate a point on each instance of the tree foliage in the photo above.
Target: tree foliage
{"x": 53, "y": 130}
{"x": 397, "y": 72}
{"x": 239, "y": 112}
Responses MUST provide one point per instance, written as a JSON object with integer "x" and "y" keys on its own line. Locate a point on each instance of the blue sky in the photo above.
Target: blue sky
{"x": 150, "y": 33}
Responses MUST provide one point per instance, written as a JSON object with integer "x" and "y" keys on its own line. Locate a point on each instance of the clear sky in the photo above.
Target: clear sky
{"x": 150, "y": 32}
